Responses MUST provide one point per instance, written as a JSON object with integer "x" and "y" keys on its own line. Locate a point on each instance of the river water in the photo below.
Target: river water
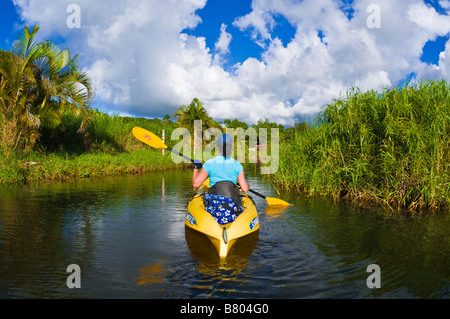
{"x": 127, "y": 236}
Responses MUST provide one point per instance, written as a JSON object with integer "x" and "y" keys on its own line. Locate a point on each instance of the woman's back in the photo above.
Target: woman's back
{"x": 220, "y": 168}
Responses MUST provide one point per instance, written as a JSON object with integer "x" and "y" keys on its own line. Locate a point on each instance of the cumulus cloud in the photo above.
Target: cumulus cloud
{"x": 143, "y": 64}
{"x": 330, "y": 52}
{"x": 433, "y": 24}
{"x": 223, "y": 43}
{"x": 445, "y": 4}
{"x": 222, "y": 46}
{"x": 439, "y": 71}
{"x": 134, "y": 50}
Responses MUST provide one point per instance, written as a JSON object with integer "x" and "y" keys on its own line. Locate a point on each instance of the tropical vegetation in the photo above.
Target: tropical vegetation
{"x": 38, "y": 82}
{"x": 106, "y": 148}
{"x": 48, "y": 129}
{"x": 186, "y": 115}
{"x": 390, "y": 148}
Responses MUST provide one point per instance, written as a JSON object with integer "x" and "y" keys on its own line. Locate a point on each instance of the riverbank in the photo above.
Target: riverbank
{"x": 390, "y": 149}
{"x": 106, "y": 148}
{"x": 62, "y": 166}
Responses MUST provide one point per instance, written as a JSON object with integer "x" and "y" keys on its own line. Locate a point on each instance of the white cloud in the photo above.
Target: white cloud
{"x": 439, "y": 71}
{"x": 445, "y": 4}
{"x": 142, "y": 64}
{"x": 428, "y": 19}
{"x": 222, "y": 45}
{"x": 308, "y": 73}
{"x": 259, "y": 20}
{"x": 434, "y": 24}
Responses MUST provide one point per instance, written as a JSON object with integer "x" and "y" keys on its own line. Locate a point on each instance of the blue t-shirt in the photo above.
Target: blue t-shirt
{"x": 221, "y": 169}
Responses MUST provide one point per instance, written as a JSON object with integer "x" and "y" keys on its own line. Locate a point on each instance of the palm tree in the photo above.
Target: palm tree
{"x": 15, "y": 101}
{"x": 39, "y": 82}
{"x": 59, "y": 83}
{"x": 187, "y": 114}
{"x": 62, "y": 87}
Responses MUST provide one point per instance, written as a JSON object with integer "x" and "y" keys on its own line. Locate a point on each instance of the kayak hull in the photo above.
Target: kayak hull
{"x": 223, "y": 237}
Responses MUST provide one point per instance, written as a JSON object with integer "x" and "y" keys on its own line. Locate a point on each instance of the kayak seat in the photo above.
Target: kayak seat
{"x": 224, "y": 202}
{"x": 227, "y": 189}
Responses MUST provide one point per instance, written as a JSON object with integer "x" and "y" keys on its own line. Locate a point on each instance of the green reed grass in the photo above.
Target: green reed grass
{"x": 106, "y": 133}
{"x": 390, "y": 147}
{"x": 63, "y": 166}
{"x": 106, "y": 148}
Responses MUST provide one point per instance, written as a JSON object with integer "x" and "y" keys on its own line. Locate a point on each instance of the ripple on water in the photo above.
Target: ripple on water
{"x": 128, "y": 236}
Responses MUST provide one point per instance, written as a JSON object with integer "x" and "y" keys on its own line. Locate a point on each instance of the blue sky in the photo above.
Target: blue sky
{"x": 213, "y": 15}
{"x": 242, "y": 47}
{"x": 217, "y": 12}
{"x": 433, "y": 48}
{"x": 8, "y": 20}
{"x": 246, "y": 59}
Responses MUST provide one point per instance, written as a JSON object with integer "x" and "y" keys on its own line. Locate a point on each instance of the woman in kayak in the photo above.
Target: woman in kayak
{"x": 220, "y": 168}
{"x": 223, "y": 200}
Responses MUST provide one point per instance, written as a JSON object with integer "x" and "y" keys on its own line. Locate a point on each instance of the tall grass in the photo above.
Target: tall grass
{"x": 390, "y": 148}
{"x": 63, "y": 166}
{"x": 107, "y": 147}
{"x": 106, "y": 133}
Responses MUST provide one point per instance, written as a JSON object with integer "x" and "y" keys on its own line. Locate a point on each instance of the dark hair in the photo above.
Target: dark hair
{"x": 226, "y": 150}
{"x": 225, "y": 143}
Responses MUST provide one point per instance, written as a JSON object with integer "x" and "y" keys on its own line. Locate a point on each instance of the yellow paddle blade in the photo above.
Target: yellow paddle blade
{"x": 276, "y": 202}
{"x": 148, "y": 138}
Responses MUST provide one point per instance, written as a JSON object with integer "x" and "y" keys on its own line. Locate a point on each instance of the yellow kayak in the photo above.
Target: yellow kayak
{"x": 222, "y": 237}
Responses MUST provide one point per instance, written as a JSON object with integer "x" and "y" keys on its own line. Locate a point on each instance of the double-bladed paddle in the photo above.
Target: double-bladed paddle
{"x": 154, "y": 141}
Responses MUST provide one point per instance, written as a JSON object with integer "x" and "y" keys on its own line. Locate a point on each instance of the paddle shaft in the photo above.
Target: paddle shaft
{"x": 178, "y": 153}
{"x": 190, "y": 159}
{"x": 154, "y": 141}
{"x": 256, "y": 193}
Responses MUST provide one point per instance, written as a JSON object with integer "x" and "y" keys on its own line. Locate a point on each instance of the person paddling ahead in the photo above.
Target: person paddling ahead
{"x": 220, "y": 168}
{"x": 223, "y": 199}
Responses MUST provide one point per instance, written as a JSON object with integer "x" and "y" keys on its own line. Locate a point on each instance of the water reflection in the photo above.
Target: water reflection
{"x": 203, "y": 250}
{"x": 275, "y": 211}
{"x": 163, "y": 191}
{"x": 220, "y": 276}
{"x": 152, "y": 273}
{"x": 128, "y": 236}
{"x": 412, "y": 251}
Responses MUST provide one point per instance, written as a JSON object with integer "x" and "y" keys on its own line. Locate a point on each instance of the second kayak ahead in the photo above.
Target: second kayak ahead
{"x": 222, "y": 237}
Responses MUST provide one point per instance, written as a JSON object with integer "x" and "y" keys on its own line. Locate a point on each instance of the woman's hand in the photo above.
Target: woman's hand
{"x": 198, "y": 177}
{"x": 243, "y": 182}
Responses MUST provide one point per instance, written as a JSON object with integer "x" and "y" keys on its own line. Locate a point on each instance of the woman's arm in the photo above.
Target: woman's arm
{"x": 243, "y": 182}
{"x": 198, "y": 177}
